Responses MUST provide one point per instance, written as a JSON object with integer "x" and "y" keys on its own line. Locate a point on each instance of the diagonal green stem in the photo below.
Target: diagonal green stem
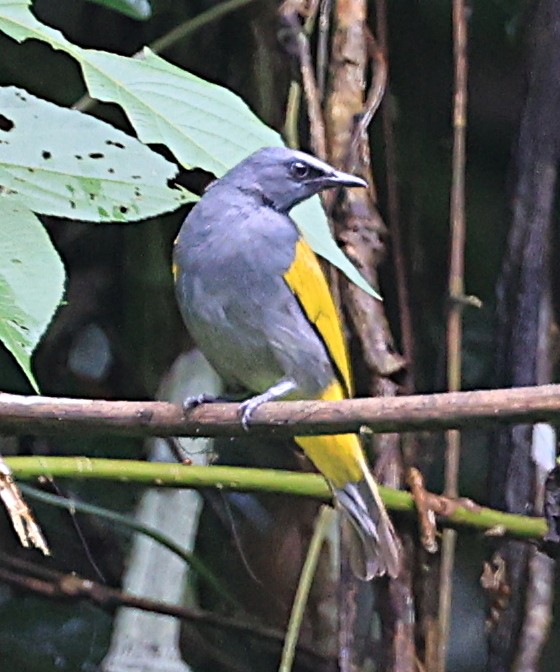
{"x": 322, "y": 524}
{"x": 131, "y": 524}
{"x": 191, "y": 25}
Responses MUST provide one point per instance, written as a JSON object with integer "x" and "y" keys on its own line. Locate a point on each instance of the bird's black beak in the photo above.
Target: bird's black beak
{"x": 339, "y": 179}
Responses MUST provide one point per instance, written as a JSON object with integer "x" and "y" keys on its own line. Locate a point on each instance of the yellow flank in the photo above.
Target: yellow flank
{"x": 339, "y": 457}
{"x": 307, "y": 281}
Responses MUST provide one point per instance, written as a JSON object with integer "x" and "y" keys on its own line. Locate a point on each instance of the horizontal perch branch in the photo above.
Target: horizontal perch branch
{"x": 51, "y": 415}
{"x": 453, "y": 511}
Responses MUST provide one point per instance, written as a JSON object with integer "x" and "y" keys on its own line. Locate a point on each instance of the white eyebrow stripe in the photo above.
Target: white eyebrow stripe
{"x": 313, "y": 162}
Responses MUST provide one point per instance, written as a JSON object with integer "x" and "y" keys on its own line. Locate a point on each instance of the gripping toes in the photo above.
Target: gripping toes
{"x": 197, "y": 400}
{"x": 246, "y": 410}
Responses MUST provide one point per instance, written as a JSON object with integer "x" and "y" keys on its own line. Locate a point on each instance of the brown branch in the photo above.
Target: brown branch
{"x": 400, "y": 264}
{"x": 373, "y": 100}
{"x": 22, "y": 518}
{"x": 289, "y": 13}
{"x": 323, "y": 45}
{"x": 53, "y": 584}
{"x": 359, "y": 227}
{"x": 52, "y": 415}
{"x": 456, "y": 291}
{"x": 426, "y": 515}
{"x": 538, "y": 611}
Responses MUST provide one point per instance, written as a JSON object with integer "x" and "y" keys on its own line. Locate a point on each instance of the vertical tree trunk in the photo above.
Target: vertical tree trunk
{"x": 521, "y": 359}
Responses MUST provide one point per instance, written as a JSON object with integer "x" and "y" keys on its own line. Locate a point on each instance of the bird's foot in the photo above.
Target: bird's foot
{"x": 198, "y": 399}
{"x": 247, "y": 408}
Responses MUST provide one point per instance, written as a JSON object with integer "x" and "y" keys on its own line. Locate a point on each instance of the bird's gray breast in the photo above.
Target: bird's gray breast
{"x": 231, "y": 255}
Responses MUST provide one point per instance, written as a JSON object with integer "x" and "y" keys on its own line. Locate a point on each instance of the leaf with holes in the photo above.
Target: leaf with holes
{"x": 202, "y": 124}
{"x": 64, "y": 163}
{"x": 31, "y": 282}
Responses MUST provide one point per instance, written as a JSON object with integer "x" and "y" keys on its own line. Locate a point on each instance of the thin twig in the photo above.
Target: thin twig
{"x": 24, "y": 523}
{"x": 323, "y": 46}
{"x": 317, "y": 130}
{"x": 190, "y": 26}
{"x": 426, "y": 516}
{"x": 373, "y": 99}
{"x": 291, "y": 123}
{"x": 132, "y": 524}
{"x": 393, "y": 209}
{"x": 455, "y": 309}
{"x": 53, "y": 584}
{"x": 458, "y": 231}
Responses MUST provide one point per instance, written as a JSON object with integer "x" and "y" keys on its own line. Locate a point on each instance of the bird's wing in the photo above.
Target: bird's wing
{"x": 307, "y": 281}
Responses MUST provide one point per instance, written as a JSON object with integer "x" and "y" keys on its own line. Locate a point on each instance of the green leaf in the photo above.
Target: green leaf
{"x": 312, "y": 222}
{"x": 31, "y": 282}
{"x": 135, "y": 9}
{"x": 203, "y": 124}
{"x": 64, "y": 163}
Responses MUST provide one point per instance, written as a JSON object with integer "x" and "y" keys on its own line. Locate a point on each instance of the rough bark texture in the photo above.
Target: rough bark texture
{"x": 360, "y": 229}
{"x": 522, "y": 291}
{"x": 22, "y": 415}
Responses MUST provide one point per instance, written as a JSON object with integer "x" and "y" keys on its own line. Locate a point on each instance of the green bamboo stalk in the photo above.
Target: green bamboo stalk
{"x": 162, "y": 474}
{"x": 322, "y": 524}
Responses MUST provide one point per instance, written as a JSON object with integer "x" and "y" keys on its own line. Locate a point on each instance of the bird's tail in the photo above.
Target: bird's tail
{"x": 374, "y": 546}
{"x": 375, "y": 549}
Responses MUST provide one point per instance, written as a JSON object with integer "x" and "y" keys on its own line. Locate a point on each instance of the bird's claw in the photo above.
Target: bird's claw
{"x": 245, "y": 412}
{"x": 197, "y": 400}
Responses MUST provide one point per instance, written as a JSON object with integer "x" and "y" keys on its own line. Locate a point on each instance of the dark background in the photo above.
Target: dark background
{"x": 119, "y": 330}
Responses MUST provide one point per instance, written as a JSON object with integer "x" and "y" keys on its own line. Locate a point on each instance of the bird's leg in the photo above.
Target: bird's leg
{"x": 205, "y": 398}
{"x": 247, "y": 408}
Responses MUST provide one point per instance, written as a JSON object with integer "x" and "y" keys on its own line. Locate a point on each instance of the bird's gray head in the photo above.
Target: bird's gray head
{"x": 282, "y": 177}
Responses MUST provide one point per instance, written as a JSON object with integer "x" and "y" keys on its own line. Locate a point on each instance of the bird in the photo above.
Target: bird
{"x": 256, "y": 302}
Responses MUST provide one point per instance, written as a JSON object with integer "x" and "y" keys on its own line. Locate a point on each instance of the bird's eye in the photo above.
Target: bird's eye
{"x": 299, "y": 170}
